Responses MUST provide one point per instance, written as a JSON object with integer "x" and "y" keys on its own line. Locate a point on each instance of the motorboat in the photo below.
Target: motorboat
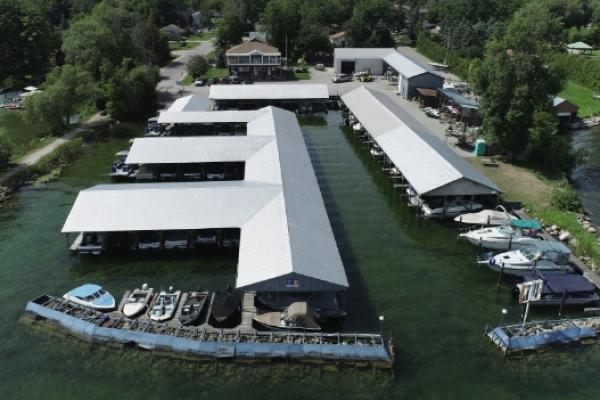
{"x": 357, "y": 127}
{"x": 567, "y": 290}
{"x": 93, "y": 296}
{"x": 497, "y": 216}
{"x": 215, "y": 175}
{"x": 298, "y": 316}
{"x": 328, "y": 306}
{"x": 226, "y": 306}
{"x": 206, "y": 237}
{"x": 231, "y": 238}
{"x": 545, "y": 257}
{"x": 437, "y": 209}
{"x": 148, "y": 240}
{"x": 176, "y": 239}
{"x": 138, "y": 301}
{"x": 513, "y": 235}
{"x": 192, "y": 308}
{"x": 167, "y": 172}
{"x": 165, "y": 305}
{"x": 120, "y": 169}
{"x": 91, "y": 243}
{"x": 375, "y": 152}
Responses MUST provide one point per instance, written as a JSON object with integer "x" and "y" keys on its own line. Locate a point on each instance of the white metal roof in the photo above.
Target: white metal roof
{"x": 192, "y": 102}
{"x": 194, "y": 149}
{"x": 285, "y": 230}
{"x": 403, "y": 65}
{"x": 359, "y": 52}
{"x": 206, "y": 117}
{"x": 429, "y": 165}
{"x": 285, "y": 91}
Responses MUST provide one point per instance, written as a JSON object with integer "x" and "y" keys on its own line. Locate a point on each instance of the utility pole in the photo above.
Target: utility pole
{"x": 286, "y": 52}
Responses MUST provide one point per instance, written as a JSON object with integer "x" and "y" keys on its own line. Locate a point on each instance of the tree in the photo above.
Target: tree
{"x": 197, "y": 66}
{"x": 7, "y": 148}
{"x": 517, "y": 83}
{"x": 283, "y": 19}
{"x": 371, "y": 22}
{"x": 68, "y": 90}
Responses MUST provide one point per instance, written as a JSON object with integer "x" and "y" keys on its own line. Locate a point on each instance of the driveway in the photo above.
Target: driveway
{"x": 169, "y": 86}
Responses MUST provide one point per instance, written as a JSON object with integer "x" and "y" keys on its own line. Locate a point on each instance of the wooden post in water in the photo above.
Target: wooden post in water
{"x": 488, "y": 220}
{"x": 510, "y": 243}
{"x": 526, "y": 312}
{"x": 500, "y": 276}
{"x": 562, "y": 302}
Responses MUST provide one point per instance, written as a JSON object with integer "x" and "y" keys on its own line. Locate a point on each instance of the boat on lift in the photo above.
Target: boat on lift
{"x": 497, "y": 216}
{"x": 298, "y": 316}
{"x": 138, "y": 301}
{"x": 545, "y": 257}
{"x": 438, "y": 209}
{"x": 564, "y": 290}
{"x": 93, "y": 296}
{"x": 513, "y": 235}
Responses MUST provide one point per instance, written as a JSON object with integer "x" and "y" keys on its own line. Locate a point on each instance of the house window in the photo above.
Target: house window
{"x": 256, "y": 59}
{"x": 233, "y": 60}
{"x": 244, "y": 60}
{"x": 274, "y": 60}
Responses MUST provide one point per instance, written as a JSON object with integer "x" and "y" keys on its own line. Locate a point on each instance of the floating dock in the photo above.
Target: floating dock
{"x": 516, "y": 340}
{"x": 357, "y": 349}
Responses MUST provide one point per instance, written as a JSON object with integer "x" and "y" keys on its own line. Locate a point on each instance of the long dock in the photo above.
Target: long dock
{"x": 516, "y": 340}
{"x": 206, "y": 342}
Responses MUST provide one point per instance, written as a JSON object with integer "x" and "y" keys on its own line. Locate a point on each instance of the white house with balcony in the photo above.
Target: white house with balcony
{"x": 254, "y": 60}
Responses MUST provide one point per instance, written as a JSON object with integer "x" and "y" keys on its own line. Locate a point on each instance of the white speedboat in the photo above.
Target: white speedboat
{"x": 514, "y": 235}
{"x": 495, "y": 217}
{"x": 138, "y": 301}
{"x": 546, "y": 257}
{"x": 165, "y": 305}
{"x": 148, "y": 240}
{"x": 206, "y": 237}
{"x": 450, "y": 209}
{"x": 93, "y": 296}
{"x": 357, "y": 127}
{"x": 375, "y": 152}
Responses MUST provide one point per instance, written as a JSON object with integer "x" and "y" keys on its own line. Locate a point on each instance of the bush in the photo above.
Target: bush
{"x": 7, "y": 149}
{"x": 63, "y": 155}
{"x": 565, "y": 199}
{"x": 436, "y": 52}
{"x": 197, "y": 66}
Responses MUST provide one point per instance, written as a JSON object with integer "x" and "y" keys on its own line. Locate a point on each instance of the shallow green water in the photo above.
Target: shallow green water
{"x": 434, "y": 299}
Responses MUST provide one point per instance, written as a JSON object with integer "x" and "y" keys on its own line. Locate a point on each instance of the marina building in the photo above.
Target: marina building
{"x": 387, "y": 61}
{"x": 290, "y": 96}
{"x": 432, "y": 172}
{"x": 286, "y": 244}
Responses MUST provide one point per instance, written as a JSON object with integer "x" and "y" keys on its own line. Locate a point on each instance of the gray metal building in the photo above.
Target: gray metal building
{"x": 348, "y": 60}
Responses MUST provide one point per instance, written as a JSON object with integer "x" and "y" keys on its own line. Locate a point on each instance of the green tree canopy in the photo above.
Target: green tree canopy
{"x": 68, "y": 90}
{"x": 371, "y": 23}
{"x": 197, "y": 66}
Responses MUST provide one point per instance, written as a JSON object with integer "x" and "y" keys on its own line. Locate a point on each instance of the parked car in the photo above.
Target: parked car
{"x": 358, "y": 74}
{"x": 210, "y": 81}
{"x": 199, "y": 82}
{"x": 223, "y": 81}
{"x": 342, "y": 78}
{"x": 235, "y": 80}
{"x": 247, "y": 82}
{"x": 320, "y": 67}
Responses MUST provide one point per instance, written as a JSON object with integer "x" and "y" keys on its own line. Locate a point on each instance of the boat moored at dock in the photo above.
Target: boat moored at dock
{"x": 497, "y": 216}
{"x": 565, "y": 290}
{"x": 138, "y": 301}
{"x": 165, "y": 305}
{"x": 514, "y": 235}
{"x": 91, "y": 295}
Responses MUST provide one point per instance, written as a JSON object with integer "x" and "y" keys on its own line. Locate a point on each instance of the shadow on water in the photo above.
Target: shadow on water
{"x": 358, "y": 302}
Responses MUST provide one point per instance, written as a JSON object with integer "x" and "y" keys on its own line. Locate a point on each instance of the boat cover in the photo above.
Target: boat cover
{"x": 551, "y": 246}
{"x": 485, "y": 217}
{"x": 525, "y": 224}
{"x": 563, "y": 283}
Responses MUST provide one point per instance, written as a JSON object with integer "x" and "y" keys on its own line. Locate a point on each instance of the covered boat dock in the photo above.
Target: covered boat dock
{"x": 286, "y": 241}
{"x": 429, "y": 170}
{"x": 300, "y": 98}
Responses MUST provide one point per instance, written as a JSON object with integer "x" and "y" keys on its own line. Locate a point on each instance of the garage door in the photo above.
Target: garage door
{"x": 347, "y": 67}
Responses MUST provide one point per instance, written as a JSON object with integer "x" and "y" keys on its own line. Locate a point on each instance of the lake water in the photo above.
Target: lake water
{"x": 586, "y": 177}
{"x": 435, "y": 301}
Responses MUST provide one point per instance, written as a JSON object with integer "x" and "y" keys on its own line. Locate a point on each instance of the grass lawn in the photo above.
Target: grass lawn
{"x": 204, "y": 36}
{"x": 183, "y": 45}
{"x": 522, "y": 184}
{"x": 26, "y": 137}
{"x": 582, "y": 97}
{"x": 214, "y": 72}
{"x": 188, "y": 80}
{"x": 302, "y": 76}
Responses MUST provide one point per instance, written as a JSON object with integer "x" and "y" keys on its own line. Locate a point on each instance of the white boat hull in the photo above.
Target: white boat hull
{"x": 526, "y": 270}
{"x": 500, "y": 243}
{"x": 133, "y": 309}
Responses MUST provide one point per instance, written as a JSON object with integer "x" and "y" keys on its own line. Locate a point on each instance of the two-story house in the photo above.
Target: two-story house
{"x": 254, "y": 60}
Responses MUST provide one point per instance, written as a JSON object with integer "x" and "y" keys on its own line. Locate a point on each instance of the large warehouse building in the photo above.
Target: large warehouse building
{"x": 387, "y": 61}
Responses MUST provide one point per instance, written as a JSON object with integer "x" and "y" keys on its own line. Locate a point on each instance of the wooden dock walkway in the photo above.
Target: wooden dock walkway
{"x": 248, "y": 310}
